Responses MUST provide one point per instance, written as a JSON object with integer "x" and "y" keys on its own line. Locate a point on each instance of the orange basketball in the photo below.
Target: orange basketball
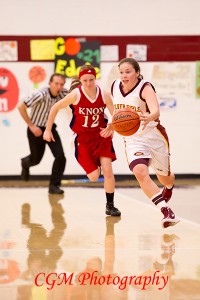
{"x": 126, "y": 121}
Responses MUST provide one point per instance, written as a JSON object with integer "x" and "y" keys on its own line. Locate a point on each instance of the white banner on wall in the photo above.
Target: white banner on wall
{"x": 174, "y": 78}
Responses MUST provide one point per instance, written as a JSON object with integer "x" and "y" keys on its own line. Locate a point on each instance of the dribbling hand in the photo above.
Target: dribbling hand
{"x": 144, "y": 119}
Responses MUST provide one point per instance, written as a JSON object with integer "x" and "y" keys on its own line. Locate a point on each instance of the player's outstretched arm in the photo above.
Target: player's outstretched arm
{"x": 63, "y": 103}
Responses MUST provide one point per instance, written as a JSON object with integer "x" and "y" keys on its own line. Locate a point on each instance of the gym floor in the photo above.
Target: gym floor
{"x": 65, "y": 247}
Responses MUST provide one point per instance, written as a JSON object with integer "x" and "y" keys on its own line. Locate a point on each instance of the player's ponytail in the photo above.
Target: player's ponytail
{"x": 74, "y": 83}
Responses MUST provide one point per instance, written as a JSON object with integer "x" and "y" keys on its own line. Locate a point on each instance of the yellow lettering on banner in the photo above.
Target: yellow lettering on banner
{"x": 98, "y": 74}
{"x": 60, "y": 66}
{"x": 59, "y": 46}
{"x": 71, "y": 71}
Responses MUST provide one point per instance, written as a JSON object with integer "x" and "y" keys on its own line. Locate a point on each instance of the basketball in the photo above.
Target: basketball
{"x": 126, "y": 122}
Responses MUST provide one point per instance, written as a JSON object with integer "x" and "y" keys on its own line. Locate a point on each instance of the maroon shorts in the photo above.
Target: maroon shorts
{"x": 88, "y": 150}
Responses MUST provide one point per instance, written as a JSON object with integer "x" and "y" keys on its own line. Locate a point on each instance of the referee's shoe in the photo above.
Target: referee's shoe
{"x": 25, "y": 174}
{"x": 54, "y": 189}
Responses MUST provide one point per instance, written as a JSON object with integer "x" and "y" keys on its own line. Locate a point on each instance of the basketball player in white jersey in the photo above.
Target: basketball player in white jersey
{"x": 149, "y": 146}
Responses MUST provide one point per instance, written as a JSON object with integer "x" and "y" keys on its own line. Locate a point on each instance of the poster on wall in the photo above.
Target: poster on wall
{"x": 138, "y": 52}
{"x": 197, "y": 89}
{"x": 109, "y": 53}
{"x": 42, "y": 49}
{"x": 17, "y": 82}
{"x": 72, "y": 53}
{"x": 9, "y": 90}
{"x": 8, "y": 51}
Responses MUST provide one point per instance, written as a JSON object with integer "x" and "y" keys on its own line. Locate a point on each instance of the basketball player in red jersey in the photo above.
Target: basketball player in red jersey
{"x": 88, "y": 102}
{"x": 149, "y": 146}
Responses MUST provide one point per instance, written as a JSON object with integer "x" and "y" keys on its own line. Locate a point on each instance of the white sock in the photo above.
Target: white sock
{"x": 162, "y": 204}
{"x": 158, "y": 200}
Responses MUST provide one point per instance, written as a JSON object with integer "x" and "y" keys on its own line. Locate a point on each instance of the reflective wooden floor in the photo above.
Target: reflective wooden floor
{"x": 65, "y": 248}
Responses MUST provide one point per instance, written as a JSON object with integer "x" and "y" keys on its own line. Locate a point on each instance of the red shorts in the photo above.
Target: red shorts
{"x": 88, "y": 150}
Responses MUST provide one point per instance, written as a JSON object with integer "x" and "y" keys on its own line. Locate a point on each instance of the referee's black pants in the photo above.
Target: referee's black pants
{"x": 37, "y": 149}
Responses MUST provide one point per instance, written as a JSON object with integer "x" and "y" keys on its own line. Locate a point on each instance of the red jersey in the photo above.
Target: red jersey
{"x": 88, "y": 115}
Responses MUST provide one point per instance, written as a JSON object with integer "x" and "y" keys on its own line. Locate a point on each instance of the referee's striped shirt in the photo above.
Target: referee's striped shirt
{"x": 40, "y": 104}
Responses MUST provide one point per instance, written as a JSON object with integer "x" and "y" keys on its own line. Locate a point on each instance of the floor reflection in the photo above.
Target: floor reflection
{"x": 44, "y": 248}
{"x": 97, "y": 279}
{"x": 159, "y": 271}
{"x": 65, "y": 248}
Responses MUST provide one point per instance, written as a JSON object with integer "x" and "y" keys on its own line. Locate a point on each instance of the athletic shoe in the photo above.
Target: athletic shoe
{"x": 112, "y": 211}
{"x": 53, "y": 189}
{"x": 25, "y": 173}
{"x": 169, "y": 217}
{"x": 167, "y": 193}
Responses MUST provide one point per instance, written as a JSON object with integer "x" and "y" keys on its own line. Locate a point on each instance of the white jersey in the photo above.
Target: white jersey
{"x": 151, "y": 143}
{"x": 133, "y": 99}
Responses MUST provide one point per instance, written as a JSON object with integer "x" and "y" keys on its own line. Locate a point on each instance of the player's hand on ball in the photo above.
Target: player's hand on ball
{"x": 144, "y": 119}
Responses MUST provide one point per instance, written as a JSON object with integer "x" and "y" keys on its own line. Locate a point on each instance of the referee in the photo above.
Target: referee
{"x": 40, "y": 104}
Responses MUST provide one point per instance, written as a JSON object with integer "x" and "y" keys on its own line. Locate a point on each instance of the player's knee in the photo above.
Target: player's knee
{"x": 139, "y": 167}
{"x": 140, "y": 171}
{"x": 108, "y": 173}
{"x": 93, "y": 176}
